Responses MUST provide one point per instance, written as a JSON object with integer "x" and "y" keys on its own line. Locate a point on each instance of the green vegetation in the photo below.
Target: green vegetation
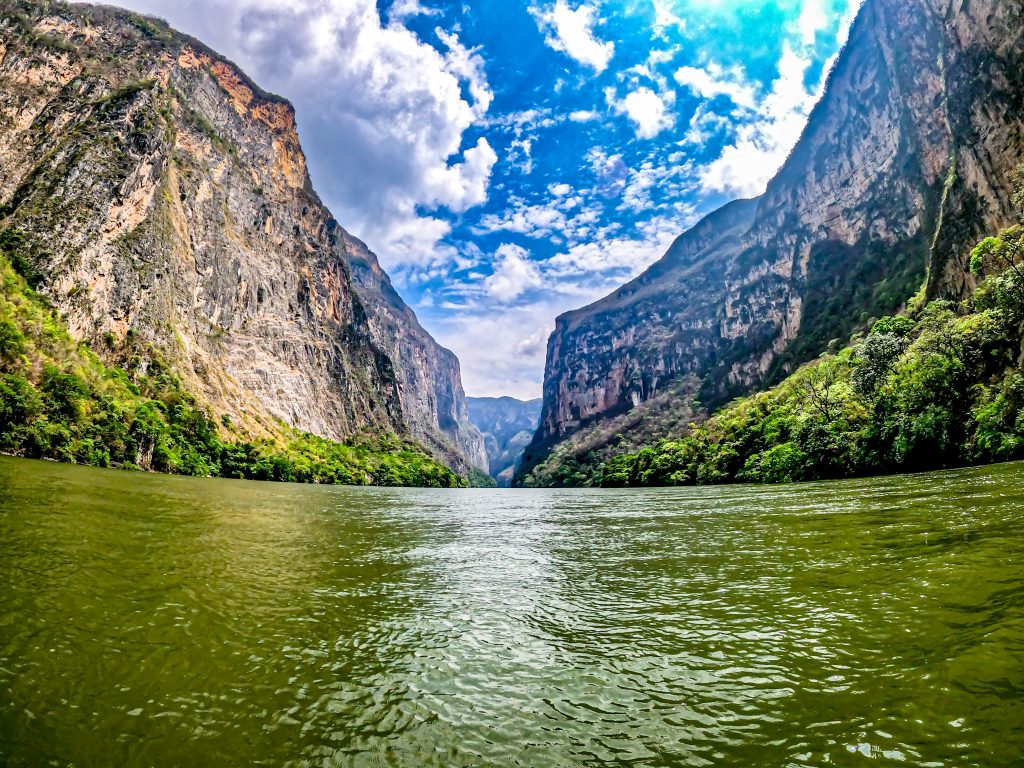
{"x": 940, "y": 389}
{"x": 126, "y": 91}
{"x": 577, "y": 459}
{"x": 941, "y": 386}
{"x": 60, "y": 401}
{"x": 480, "y": 479}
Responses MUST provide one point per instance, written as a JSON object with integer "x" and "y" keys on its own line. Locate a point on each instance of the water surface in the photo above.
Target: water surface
{"x": 177, "y": 622}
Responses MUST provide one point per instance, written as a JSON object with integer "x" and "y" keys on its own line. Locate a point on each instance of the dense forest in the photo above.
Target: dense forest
{"x": 938, "y": 386}
{"x": 60, "y": 401}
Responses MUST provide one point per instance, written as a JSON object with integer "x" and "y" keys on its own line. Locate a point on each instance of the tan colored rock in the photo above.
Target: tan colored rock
{"x": 165, "y": 196}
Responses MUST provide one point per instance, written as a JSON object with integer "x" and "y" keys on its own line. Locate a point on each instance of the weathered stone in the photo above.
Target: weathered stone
{"x": 507, "y": 425}
{"x": 905, "y": 163}
{"x": 166, "y": 197}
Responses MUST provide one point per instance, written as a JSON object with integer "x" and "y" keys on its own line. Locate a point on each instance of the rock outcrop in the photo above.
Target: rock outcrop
{"x": 507, "y": 425}
{"x": 905, "y": 163}
{"x": 165, "y": 197}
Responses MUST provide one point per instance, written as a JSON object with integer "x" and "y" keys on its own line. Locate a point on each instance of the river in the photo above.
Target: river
{"x": 163, "y": 621}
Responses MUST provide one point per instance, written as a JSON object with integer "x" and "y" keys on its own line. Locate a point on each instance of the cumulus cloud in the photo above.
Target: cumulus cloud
{"x": 747, "y": 165}
{"x": 812, "y": 20}
{"x": 406, "y": 9}
{"x": 648, "y": 111}
{"x": 389, "y": 146}
{"x": 712, "y": 81}
{"x": 571, "y": 31}
{"x": 513, "y": 275}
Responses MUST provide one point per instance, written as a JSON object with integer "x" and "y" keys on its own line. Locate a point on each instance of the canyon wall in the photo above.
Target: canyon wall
{"x": 904, "y": 164}
{"x": 166, "y": 205}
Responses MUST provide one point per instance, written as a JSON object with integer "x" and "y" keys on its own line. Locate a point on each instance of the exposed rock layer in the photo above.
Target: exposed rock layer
{"x": 905, "y": 163}
{"x": 164, "y": 195}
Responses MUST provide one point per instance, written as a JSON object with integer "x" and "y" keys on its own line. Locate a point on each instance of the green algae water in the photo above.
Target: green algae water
{"x": 160, "y": 621}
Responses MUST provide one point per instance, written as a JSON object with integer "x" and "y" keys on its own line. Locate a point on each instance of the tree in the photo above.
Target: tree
{"x": 1002, "y": 254}
{"x": 817, "y": 390}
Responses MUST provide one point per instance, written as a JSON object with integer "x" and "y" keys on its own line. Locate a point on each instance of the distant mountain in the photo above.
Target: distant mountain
{"x": 507, "y": 425}
{"x": 165, "y": 206}
{"x": 905, "y": 164}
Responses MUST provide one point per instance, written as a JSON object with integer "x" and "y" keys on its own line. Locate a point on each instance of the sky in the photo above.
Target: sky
{"x": 509, "y": 160}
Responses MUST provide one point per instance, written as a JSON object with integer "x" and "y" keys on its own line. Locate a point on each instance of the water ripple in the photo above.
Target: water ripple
{"x": 165, "y": 621}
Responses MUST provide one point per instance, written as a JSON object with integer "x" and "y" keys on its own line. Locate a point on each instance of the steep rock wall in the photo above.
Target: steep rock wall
{"x": 905, "y": 163}
{"x": 507, "y": 425}
{"x": 166, "y": 201}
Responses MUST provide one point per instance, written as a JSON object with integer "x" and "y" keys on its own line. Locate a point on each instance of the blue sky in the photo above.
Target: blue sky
{"x": 511, "y": 159}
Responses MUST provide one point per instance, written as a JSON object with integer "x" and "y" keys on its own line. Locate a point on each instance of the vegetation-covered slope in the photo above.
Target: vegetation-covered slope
{"x": 163, "y": 194}
{"x": 904, "y": 165}
{"x": 941, "y": 386}
{"x": 60, "y": 401}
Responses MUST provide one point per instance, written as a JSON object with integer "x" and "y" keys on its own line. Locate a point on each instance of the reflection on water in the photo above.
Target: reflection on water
{"x": 169, "y": 621}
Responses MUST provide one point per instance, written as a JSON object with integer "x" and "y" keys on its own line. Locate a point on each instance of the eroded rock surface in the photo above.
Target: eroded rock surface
{"x": 165, "y": 199}
{"x": 904, "y": 165}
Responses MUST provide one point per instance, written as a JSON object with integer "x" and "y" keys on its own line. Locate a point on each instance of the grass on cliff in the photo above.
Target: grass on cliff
{"x": 937, "y": 388}
{"x": 941, "y": 389}
{"x": 60, "y": 401}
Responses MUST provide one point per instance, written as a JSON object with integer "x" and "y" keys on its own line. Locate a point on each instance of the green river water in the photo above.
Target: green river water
{"x": 160, "y": 621}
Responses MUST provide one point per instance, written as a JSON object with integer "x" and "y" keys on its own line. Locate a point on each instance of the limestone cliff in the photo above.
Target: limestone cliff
{"x": 507, "y": 425}
{"x": 904, "y": 165}
{"x": 429, "y": 377}
{"x": 167, "y": 206}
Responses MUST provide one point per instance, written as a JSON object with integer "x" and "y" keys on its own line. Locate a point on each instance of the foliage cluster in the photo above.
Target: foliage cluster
{"x": 941, "y": 389}
{"x": 60, "y": 401}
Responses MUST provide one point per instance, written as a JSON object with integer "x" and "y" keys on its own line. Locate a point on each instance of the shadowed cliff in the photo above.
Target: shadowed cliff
{"x": 904, "y": 164}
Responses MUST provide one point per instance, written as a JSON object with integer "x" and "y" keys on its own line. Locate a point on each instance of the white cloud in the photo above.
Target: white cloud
{"x": 468, "y": 66}
{"x": 704, "y": 125}
{"x": 761, "y": 146}
{"x": 520, "y": 155}
{"x": 648, "y": 111}
{"x": 656, "y": 57}
{"x": 712, "y": 81}
{"x": 559, "y": 190}
{"x": 525, "y": 120}
{"x": 672, "y": 180}
{"x": 572, "y": 32}
{"x": 852, "y": 9}
{"x": 812, "y": 20}
{"x": 606, "y": 263}
{"x": 584, "y": 116}
{"x": 665, "y": 19}
{"x": 406, "y": 9}
{"x": 382, "y": 112}
{"x": 545, "y": 220}
{"x": 513, "y": 275}
{"x": 502, "y": 351}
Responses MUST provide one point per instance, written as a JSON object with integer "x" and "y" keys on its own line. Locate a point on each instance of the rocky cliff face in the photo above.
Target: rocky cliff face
{"x": 507, "y": 425}
{"x": 429, "y": 378}
{"x": 167, "y": 206}
{"x": 904, "y": 164}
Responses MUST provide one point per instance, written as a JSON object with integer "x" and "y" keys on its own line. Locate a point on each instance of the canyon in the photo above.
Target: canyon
{"x": 169, "y": 216}
{"x": 905, "y": 163}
